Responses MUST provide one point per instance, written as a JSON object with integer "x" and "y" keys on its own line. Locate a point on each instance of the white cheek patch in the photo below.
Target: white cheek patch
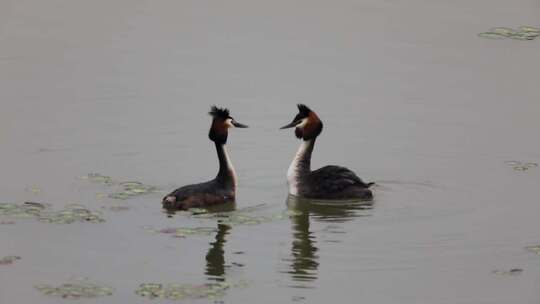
{"x": 303, "y": 123}
{"x": 228, "y": 123}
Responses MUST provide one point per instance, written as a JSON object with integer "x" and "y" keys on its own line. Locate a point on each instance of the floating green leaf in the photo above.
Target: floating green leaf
{"x": 9, "y": 259}
{"x": 77, "y": 289}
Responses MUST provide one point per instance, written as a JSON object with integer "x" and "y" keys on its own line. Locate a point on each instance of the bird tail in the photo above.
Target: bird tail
{"x": 369, "y": 184}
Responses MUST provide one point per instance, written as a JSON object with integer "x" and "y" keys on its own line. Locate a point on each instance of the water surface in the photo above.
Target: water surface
{"x": 410, "y": 96}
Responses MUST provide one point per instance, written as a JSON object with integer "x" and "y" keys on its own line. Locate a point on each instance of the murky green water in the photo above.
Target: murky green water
{"x": 444, "y": 121}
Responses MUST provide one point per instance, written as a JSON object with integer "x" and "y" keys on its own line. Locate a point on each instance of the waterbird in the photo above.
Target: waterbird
{"x": 329, "y": 182}
{"x": 222, "y": 188}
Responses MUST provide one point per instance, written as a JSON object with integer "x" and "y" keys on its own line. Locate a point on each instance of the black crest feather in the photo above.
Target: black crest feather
{"x": 219, "y": 112}
{"x": 304, "y": 110}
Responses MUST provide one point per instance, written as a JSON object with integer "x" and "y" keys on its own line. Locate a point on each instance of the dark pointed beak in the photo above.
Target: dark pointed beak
{"x": 238, "y": 125}
{"x": 292, "y": 124}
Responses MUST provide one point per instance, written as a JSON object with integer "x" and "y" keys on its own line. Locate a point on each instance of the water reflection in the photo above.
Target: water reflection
{"x": 304, "y": 261}
{"x": 215, "y": 258}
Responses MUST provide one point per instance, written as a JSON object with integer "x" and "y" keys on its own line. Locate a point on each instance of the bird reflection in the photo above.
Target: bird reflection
{"x": 304, "y": 262}
{"x": 215, "y": 258}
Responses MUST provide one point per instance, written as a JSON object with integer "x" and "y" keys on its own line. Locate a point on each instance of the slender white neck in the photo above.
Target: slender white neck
{"x": 300, "y": 164}
{"x": 230, "y": 166}
{"x": 225, "y": 165}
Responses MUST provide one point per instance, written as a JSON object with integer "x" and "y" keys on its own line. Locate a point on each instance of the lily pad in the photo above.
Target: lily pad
{"x": 184, "y": 291}
{"x": 7, "y": 260}
{"x": 77, "y": 289}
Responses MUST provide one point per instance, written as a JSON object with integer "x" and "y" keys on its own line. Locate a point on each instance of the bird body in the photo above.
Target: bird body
{"x": 222, "y": 188}
{"x": 329, "y": 182}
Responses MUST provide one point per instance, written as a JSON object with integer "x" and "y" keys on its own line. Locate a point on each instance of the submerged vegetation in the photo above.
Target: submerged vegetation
{"x": 70, "y": 214}
{"x": 522, "y": 33}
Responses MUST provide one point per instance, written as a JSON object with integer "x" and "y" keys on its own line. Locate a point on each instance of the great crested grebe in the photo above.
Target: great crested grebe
{"x": 221, "y": 189}
{"x": 329, "y": 182}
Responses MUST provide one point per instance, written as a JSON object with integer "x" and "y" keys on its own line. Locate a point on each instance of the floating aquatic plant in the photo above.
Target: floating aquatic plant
{"x": 510, "y": 272}
{"x": 33, "y": 189}
{"x": 534, "y": 248}
{"x": 184, "y": 291}
{"x": 521, "y": 166}
{"x": 71, "y": 213}
{"x": 132, "y": 189}
{"x": 523, "y": 33}
{"x": 183, "y": 231}
{"x": 7, "y": 260}
{"x": 98, "y": 178}
{"x": 244, "y": 216}
{"x": 81, "y": 288}
{"x": 128, "y": 189}
{"x": 119, "y": 208}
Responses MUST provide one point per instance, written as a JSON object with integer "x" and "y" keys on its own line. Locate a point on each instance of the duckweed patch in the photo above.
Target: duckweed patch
{"x": 522, "y": 33}
{"x": 70, "y": 214}
{"x": 521, "y": 166}
{"x": 77, "y": 289}
{"x": 127, "y": 189}
{"x": 510, "y": 272}
{"x": 8, "y": 260}
{"x": 184, "y": 291}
